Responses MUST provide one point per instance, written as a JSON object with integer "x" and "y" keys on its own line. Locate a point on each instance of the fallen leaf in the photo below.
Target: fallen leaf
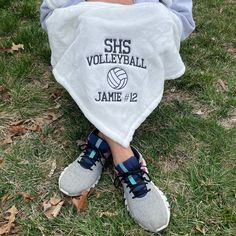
{"x": 58, "y": 106}
{"x": 5, "y": 198}
{"x": 230, "y": 121}
{"x": 57, "y": 209}
{"x": 5, "y": 96}
{"x": 54, "y": 201}
{"x": 98, "y": 194}
{"x": 16, "y": 123}
{"x": 108, "y": 214}
{"x": 53, "y": 116}
{"x": 17, "y": 130}
{"x": 53, "y": 168}
{"x": 7, "y": 140}
{"x": 55, "y": 96}
{"x": 13, "y": 212}
{"x": 46, "y": 86}
{"x": 201, "y": 229}
{"x": 80, "y": 142}
{"x": 34, "y": 125}
{"x": 26, "y": 197}
{"x": 52, "y": 207}
{"x": 46, "y": 205}
{"x": 2, "y": 89}
{"x": 2, "y": 162}
{"x": 7, "y": 227}
{"x": 223, "y": 85}
{"x": 231, "y": 49}
{"x": 81, "y": 202}
{"x": 24, "y": 162}
{"x": 16, "y": 47}
{"x": 13, "y": 48}
{"x": 15, "y": 231}
{"x": 5, "y": 49}
{"x": 198, "y": 112}
{"x": 42, "y": 139}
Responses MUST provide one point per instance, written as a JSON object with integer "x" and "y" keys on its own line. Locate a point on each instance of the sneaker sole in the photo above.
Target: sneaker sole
{"x": 79, "y": 193}
{"x": 164, "y": 198}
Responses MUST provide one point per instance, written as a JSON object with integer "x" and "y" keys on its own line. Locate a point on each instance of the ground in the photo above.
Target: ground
{"x": 188, "y": 141}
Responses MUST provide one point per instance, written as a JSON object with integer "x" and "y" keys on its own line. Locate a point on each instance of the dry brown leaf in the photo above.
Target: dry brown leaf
{"x": 2, "y": 89}
{"x": 34, "y": 125}
{"x": 2, "y": 162}
{"x": 46, "y": 86}
{"x": 42, "y": 139}
{"x": 13, "y": 48}
{"x": 7, "y": 227}
{"x": 52, "y": 208}
{"x": 5, "y": 198}
{"x": 57, "y": 209}
{"x": 199, "y": 112}
{"x": 223, "y": 85}
{"x": 58, "y": 106}
{"x": 231, "y": 49}
{"x": 98, "y": 194}
{"x": 26, "y": 197}
{"x": 15, "y": 231}
{"x": 81, "y": 202}
{"x": 53, "y": 116}
{"x": 17, "y": 130}
{"x": 24, "y": 162}
{"x": 16, "y": 123}
{"x": 53, "y": 168}
{"x": 13, "y": 212}
{"x": 54, "y": 201}
{"x": 20, "y": 127}
{"x": 16, "y": 47}
{"x": 5, "y": 50}
{"x": 80, "y": 142}
{"x": 46, "y": 205}
{"x": 108, "y": 214}
{"x": 201, "y": 229}
{"x": 5, "y": 97}
{"x": 7, "y": 140}
{"x": 35, "y": 128}
{"x": 55, "y": 96}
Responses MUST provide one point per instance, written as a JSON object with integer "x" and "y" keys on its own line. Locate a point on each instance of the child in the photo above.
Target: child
{"x": 145, "y": 202}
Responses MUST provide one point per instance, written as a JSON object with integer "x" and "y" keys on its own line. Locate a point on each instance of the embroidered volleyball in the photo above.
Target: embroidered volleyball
{"x": 117, "y": 78}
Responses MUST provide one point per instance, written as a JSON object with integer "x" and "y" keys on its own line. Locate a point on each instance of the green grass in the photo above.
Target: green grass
{"x": 191, "y": 157}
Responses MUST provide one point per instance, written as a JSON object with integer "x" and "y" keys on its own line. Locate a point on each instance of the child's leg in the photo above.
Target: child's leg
{"x": 119, "y": 153}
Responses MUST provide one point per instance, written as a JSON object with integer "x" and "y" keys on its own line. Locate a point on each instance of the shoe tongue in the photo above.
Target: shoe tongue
{"x": 131, "y": 164}
{"x": 91, "y": 153}
{"x": 128, "y": 165}
{"x": 98, "y": 143}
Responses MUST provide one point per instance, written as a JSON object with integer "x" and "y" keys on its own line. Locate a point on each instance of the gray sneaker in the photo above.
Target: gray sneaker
{"x": 145, "y": 202}
{"x": 85, "y": 172}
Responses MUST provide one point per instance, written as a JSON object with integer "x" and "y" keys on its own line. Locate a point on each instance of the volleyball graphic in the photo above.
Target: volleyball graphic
{"x": 117, "y": 78}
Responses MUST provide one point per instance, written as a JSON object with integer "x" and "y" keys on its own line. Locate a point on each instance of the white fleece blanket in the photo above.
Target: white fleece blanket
{"x": 113, "y": 60}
